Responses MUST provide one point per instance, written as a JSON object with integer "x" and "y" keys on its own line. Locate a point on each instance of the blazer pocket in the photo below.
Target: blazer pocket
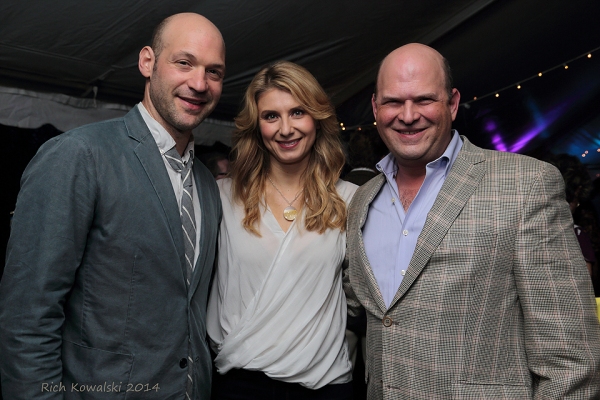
{"x": 476, "y": 240}
{"x": 92, "y": 373}
{"x": 463, "y": 390}
{"x": 465, "y": 251}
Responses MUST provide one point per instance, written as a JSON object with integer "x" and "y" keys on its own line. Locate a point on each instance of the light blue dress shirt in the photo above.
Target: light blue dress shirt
{"x": 390, "y": 234}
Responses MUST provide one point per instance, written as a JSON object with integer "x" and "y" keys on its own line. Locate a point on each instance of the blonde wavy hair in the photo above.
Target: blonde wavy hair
{"x": 250, "y": 159}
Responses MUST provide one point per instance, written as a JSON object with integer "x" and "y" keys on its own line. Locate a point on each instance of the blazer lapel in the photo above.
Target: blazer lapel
{"x": 149, "y": 156}
{"x": 203, "y": 199}
{"x": 372, "y": 284}
{"x": 460, "y": 184}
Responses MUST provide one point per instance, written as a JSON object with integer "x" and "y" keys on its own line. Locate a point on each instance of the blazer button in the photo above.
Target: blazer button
{"x": 183, "y": 363}
{"x": 387, "y": 321}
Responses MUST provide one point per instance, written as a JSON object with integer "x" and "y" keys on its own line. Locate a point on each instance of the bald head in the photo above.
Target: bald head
{"x": 172, "y": 25}
{"x": 417, "y": 54}
{"x": 414, "y": 106}
{"x": 184, "y": 71}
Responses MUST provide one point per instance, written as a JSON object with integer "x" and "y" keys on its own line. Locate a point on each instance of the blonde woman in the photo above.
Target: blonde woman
{"x": 277, "y": 311}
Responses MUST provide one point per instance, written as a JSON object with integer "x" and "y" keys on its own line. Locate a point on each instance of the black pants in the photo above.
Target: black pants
{"x": 241, "y": 384}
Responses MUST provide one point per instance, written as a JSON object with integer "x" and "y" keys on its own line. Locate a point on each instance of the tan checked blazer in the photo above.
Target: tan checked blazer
{"x": 496, "y": 303}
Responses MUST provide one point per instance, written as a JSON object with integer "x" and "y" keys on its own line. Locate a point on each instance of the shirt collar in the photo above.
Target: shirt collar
{"x": 388, "y": 166}
{"x": 163, "y": 139}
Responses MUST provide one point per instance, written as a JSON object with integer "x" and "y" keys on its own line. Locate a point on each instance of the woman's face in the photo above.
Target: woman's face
{"x": 287, "y": 130}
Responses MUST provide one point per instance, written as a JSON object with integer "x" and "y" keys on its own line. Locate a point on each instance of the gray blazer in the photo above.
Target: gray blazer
{"x": 93, "y": 302}
{"x": 496, "y": 302}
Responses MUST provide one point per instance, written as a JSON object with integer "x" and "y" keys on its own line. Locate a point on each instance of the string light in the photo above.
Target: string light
{"x": 564, "y": 65}
{"x": 587, "y": 152}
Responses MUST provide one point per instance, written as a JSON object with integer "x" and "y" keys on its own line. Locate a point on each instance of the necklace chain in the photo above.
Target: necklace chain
{"x": 279, "y": 191}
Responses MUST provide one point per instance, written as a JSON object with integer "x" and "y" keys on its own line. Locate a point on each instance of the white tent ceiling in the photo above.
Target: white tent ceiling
{"x": 88, "y": 50}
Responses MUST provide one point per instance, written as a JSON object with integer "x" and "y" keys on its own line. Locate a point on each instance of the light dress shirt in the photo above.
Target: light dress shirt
{"x": 277, "y": 303}
{"x": 388, "y": 248}
{"x": 165, "y": 142}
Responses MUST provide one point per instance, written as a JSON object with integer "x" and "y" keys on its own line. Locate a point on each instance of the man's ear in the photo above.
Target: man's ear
{"x": 146, "y": 61}
{"x": 454, "y": 102}
{"x": 374, "y": 105}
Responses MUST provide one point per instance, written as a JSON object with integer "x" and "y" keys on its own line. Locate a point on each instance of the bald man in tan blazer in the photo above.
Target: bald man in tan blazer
{"x": 496, "y": 302}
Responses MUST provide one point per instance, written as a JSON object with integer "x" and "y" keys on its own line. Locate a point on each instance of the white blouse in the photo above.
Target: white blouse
{"x": 277, "y": 303}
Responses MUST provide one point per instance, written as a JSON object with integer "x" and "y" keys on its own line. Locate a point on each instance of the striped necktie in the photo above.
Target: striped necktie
{"x": 188, "y": 222}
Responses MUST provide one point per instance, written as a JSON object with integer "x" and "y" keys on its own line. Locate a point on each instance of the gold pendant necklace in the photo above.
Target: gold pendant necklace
{"x": 289, "y": 213}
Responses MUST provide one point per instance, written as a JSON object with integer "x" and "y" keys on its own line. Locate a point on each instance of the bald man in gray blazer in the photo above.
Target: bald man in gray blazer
{"x": 464, "y": 259}
{"x": 96, "y": 301}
